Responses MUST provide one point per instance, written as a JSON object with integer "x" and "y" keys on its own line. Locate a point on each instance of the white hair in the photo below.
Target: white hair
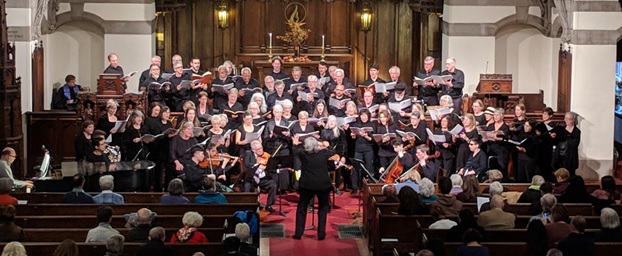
{"x": 609, "y": 218}
{"x": 426, "y": 187}
{"x": 496, "y": 188}
{"x": 448, "y": 99}
{"x": 310, "y": 145}
{"x": 264, "y": 107}
{"x": 192, "y": 219}
{"x": 456, "y": 180}
{"x": 537, "y": 180}
{"x": 106, "y": 182}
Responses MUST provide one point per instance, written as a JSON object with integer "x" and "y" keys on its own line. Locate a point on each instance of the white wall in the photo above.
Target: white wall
{"x": 593, "y": 81}
{"x": 134, "y": 53}
{"x": 21, "y": 17}
{"x": 72, "y": 50}
{"x": 472, "y": 55}
{"x": 528, "y": 55}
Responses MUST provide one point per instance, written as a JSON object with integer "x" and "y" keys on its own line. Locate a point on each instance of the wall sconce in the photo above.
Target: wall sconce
{"x": 160, "y": 36}
{"x": 223, "y": 15}
{"x": 366, "y": 17}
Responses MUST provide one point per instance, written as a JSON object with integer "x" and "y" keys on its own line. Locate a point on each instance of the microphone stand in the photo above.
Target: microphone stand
{"x": 371, "y": 177}
{"x": 312, "y": 215}
{"x": 280, "y": 211}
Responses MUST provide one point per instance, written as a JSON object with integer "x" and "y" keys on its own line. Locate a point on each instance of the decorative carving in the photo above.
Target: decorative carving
{"x": 53, "y": 7}
{"x": 565, "y": 16}
{"x": 42, "y": 9}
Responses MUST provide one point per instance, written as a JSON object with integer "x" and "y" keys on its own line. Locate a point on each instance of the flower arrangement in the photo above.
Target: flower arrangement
{"x": 295, "y": 37}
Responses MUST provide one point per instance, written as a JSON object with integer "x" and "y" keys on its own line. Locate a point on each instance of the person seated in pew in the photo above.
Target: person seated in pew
{"x": 561, "y": 176}
{"x": 410, "y": 203}
{"x": 577, "y": 243}
{"x": 536, "y": 207}
{"x": 14, "y": 248}
{"x": 440, "y": 221}
{"x": 242, "y": 232}
{"x": 6, "y": 185}
{"x": 448, "y": 202}
{"x": 426, "y": 191}
{"x": 424, "y": 252}
{"x": 466, "y": 220}
{"x": 537, "y": 241}
{"x": 156, "y": 246}
{"x": 496, "y": 218}
{"x": 114, "y": 246}
{"x": 103, "y": 231}
{"x": 495, "y": 189}
{"x": 106, "y": 183}
{"x": 554, "y": 252}
{"x": 209, "y": 195}
{"x": 456, "y": 184}
{"x": 140, "y": 233}
{"x": 175, "y": 193}
{"x": 546, "y": 203}
{"x": 67, "y": 248}
{"x": 390, "y": 194}
{"x": 577, "y": 193}
{"x": 77, "y": 195}
{"x": 607, "y": 190}
{"x": 610, "y": 223}
{"x": 470, "y": 190}
{"x": 559, "y": 228}
{"x": 189, "y": 233}
{"x": 532, "y": 193}
{"x": 472, "y": 246}
{"x": 8, "y": 230}
{"x": 231, "y": 247}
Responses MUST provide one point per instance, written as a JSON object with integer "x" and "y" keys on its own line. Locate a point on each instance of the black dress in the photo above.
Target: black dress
{"x": 132, "y": 148}
{"x": 105, "y": 125}
{"x": 83, "y": 147}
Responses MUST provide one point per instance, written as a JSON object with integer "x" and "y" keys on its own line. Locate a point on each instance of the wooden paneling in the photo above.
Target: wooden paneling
{"x": 40, "y": 128}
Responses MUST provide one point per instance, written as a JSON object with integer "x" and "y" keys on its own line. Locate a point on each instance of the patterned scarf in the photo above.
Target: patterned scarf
{"x": 185, "y": 233}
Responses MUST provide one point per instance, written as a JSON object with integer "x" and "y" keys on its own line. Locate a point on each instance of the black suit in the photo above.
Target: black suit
{"x": 314, "y": 180}
{"x": 265, "y": 183}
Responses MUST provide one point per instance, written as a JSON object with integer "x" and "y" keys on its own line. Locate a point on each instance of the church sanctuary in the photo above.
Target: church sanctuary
{"x": 311, "y": 127}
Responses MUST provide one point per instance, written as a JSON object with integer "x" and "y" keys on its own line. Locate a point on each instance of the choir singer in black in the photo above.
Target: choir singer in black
{"x": 314, "y": 181}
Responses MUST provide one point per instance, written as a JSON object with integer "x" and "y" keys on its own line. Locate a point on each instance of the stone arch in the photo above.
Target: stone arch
{"x": 530, "y": 20}
{"x": 84, "y": 20}
{"x": 619, "y": 34}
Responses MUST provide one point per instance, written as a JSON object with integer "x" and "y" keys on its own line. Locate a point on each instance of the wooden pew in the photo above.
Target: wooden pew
{"x": 209, "y": 249}
{"x": 518, "y": 187}
{"x": 79, "y": 234}
{"x": 91, "y": 209}
{"x": 118, "y": 221}
{"x": 573, "y": 209}
{"x": 129, "y": 197}
{"x": 507, "y": 235}
{"x": 498, "y": 248}
{"x": 395, "y": 232}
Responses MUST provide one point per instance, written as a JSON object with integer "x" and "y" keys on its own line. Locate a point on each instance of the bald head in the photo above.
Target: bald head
{"x": 8, "y": 154}
{"x": 144, "y": 216}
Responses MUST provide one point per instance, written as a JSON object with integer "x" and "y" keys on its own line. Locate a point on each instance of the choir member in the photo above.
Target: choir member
{"x": 351, "y": 109}
{"x": 247, "y": 126}
{"x": 256, "y": 115}
{"x": 231, "y": 70}
{"x": 176, "y": 58}
{"x": 220, "y": 96}
{"x": 519, "y": 118}
{"x": 287, "y": 111}
{"x": 527, "y": 151}
{"x": 448, "y": 154}
{"x": 488, "y": 116}
{"x": 152, "y": 121}
{"x": 340, "y": 79}
{"x": 301, "y": 127}
{"x": 496, "y": 146}
{"x": 418, "y": 127}
{"x": 336, "y": 138}
{"x": 180, "y": 95}
{"x": 368, "y": 101}
{"x": 261, "y": 101}
{"x": 231, "y": 107}
{"x": 320, "y": 109}
{"x": 279, "y": 95}
{"x": 364, "y": 148}
{"x": 477, "y": 162}
{"x": 256, "y": 173}
{"x": 107, "y": 121}
{"x": 567, "y": 148}
{"x": 204, "y": 111}
{"x": 399, "y": 95}
{"x": 377, "y": 97}
{"x": 462, "y": 140}
{"x": 268, "y": 86}
{"x": 296, "y": 78}
{"x": 155, "y": 92}
{"x": 218, "y": 130}
{"x": 338, "y": 94}
{"x": 322, "y": 69}
{"x": 133, "y": 133}
{"x": 281, "y": 140}
{"x": 478, "y": 112}
{"x": 454, "y": 86}
{"x": 159, "y": 150}
{"x": 385, "y": 149}
{"x": 195, "y": 67}
{"x": 83, "y": 143}
{"x": 190, "y": 115}
{"x": 247, "y": 82}
{"x": 155, "y": 60}
{"x": 114, "y": 68}
{"x": 313, "y": 94}
{"x": 428, "y": 92}
{"x": 178, "y": 151}
{"x": 277, "y": 73}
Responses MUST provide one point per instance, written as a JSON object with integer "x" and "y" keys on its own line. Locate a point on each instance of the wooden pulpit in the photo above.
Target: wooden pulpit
{"x": 494, "y": 83}
{"x": 109, "y": 84}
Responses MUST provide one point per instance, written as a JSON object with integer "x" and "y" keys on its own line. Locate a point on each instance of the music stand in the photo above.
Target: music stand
{"x": 360, "y": 165}
{"x": 273, "y": 165}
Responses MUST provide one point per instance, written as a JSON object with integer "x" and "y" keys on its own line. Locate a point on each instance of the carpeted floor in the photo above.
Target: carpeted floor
{"x": 346, "y": 206}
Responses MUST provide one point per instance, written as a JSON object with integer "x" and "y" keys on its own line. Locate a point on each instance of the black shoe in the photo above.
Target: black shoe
{"x": 270, "y": 209}
{"x": 310, "y": 209}
{"x": 296, "y": 237}
{"x": 321, "y": 237}
{"x": 338, "y": 192}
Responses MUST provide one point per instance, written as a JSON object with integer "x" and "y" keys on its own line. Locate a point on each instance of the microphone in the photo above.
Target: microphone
{"x": 486, "y": 67}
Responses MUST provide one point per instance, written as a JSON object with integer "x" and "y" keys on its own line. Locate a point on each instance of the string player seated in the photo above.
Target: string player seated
{"x": 255, "y": 162}
{"x": 405, "y": 158}
{"x": 427, "y": 166}
{"x": 218, "y": 165}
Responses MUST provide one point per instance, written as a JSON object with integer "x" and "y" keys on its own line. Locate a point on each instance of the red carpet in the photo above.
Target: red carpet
{"x": 309, "y": 245}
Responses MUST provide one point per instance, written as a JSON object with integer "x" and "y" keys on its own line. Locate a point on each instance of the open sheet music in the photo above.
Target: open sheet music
{"x": 303, "y": 136}
{"x": 131, "y": 74}
{"x": 405, "y": 134}
{"x": 304, "y": 96}
{"x": 222, "y": 88}
{"x": 341, "y": 121}
{"x": 278, "y": 129}
{"x": 380, "y": 137}
{"x": 294, "y": 87}
{"x": 435, "y": 113}
{"x": 384, "y": 87}
{"x": 437, "y": 79}
{"x": 457, "y": 129}
{"x": 437, "y": 139}
{"x": 400, "y": 106}
{"x": 335, "y": 102}
{"x": 251, "y": 136}
{"x": 358, "y": 130}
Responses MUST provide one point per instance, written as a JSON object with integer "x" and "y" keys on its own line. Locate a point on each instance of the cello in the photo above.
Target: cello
{"x": 393, "y": 171}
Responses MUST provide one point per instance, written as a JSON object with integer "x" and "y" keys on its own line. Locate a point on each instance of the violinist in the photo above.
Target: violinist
{"x": 427, "y": 167}
{"x": 256, "y": 162}
{"x": 193, "y": 174}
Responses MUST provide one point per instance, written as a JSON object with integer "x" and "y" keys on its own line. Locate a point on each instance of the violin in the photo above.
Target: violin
{"x": 263, "y": 158}
{"x": 338, "y": 162}
{"x": 210, "y": 162}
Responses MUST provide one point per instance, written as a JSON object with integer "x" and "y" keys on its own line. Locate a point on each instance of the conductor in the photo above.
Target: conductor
{"x": 314, "y": 180}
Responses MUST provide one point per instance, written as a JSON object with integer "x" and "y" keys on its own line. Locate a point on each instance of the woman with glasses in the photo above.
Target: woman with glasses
{"x": 462, "y": 139}
{"x": 477, "y": 160}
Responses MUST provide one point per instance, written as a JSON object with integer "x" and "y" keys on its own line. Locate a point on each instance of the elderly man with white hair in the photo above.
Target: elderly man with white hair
{"x": 495, "y": 189}
{"x": 454, "y": 86}
{"x": 496, "y": 218}
{"x": 610, "y": 223}
{"x": 532, "y": 193}
{"x": 106, "y": 183}
{"x": 242, "y": 231}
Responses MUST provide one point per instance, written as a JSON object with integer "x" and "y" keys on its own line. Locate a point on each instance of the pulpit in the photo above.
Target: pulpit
{"x": 495, "y": 90}
{"x": 495, "y": 83}
{"x": 109, "y": 84}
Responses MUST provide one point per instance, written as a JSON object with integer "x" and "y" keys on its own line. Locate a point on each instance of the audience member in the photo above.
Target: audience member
{"x": 577, "y": 243}
{"x": 493, "y": 175}
{"x": 607, "y": 190}
{"x": 106, "y": 183}
{"x": 67, "y": 248}
{"x": 535, "y": 207}
{"x": 532, "y": 193}
{"x": 547, "y": 202}
{"x": 189, "y": 233}
{"x": 448, "y": 202}
{"x": 232, "y": 247}
{"x": 456, "y": 184}
{"x": 554, "y": 252}
{"x": 8, "y": 230}
{"x": 610, "y": 223}
{"x": 472, "y": 246}
{"x": 537, "y": 241}
{"x": 175, "y": 193}
{"x": 440, "y": 221}
{"x": 77, "y": 195}
{"x": 466, "y": 220}
{"x": 496, "y": 218}
{"x": 390, "y": 194}
{"x": 14, "y": 249}
{"x": 209, "y": 194}
{"x": 424, "y": 252}
{"x": 410, "y": 204}
{"x": 103, "y": 231}
{"x": 436, "y": 246}
{"x": 576, "y": 192}
{"x": 470, "y": 190}
{"x": 114, "y": 245}
{"x": 561, "y": 176}
{"x": 495, "y": 189}
{"x": 242, "y": 232}
{"x": 140, "y": 233}
{"x": 426, "y": 190}
{"x": 6, "y": 185}
{"x": 198, "y": 254}
{"x": 156, "y": 246}
{"x": 559, "y": 229}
